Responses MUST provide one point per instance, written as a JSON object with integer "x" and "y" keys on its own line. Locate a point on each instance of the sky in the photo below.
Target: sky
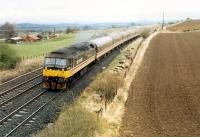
{"x": 94, "y": 11}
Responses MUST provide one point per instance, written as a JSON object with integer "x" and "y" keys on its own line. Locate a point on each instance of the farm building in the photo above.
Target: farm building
{"x": 15, "y": 40}
{"x": 31, "y": 38}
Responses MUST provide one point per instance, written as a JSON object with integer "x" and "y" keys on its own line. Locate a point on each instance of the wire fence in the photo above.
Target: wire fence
{"x": 33, "y": 56}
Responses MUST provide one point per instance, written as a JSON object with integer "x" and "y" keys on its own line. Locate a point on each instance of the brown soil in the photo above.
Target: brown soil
{"x": 164, "y": 99}
{"x": 185, "y": 26}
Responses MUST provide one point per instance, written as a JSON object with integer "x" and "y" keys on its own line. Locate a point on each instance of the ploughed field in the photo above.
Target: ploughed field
{"x": 185, "y": 26}
{"x": 164, "y": 99}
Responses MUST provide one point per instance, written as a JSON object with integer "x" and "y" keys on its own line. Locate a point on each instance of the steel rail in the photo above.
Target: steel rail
{"x": 14, "y": 97}
{"x": 20, "y": 76}
{"x": 24, "y": 105}
{"x": 32, "y": 114}
{"x": 8, "y": 90}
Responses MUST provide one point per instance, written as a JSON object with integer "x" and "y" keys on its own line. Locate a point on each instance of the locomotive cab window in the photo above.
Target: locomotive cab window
{"x": 61, "y": 63}
{"x": 56, "y": 62}
{"x": 49, "y": 62}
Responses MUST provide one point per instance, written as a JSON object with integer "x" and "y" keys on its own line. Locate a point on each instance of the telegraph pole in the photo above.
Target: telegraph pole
{"x": 163, "y": 20}
{"x": 54, "y": 33}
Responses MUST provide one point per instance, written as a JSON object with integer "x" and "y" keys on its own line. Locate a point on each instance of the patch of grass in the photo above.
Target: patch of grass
{"x": 74, "y": 122}
{"x": 42, "y": 47}
{"x": 115, "y": 62}
{"x": 8, "y": 56}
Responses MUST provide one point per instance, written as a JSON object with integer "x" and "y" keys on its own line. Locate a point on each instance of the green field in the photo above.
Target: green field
{"x": 27, "y": 50}
{"x": 36, "y": 49}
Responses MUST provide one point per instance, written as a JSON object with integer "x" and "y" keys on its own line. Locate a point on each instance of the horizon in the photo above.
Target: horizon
{"x": 105, "y": 22}
{"x": 86, "y": 23}
{"x": 93, "y": 11}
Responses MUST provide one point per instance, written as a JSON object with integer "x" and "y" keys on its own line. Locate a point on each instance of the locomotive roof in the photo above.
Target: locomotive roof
{"x": 70, "y": 52}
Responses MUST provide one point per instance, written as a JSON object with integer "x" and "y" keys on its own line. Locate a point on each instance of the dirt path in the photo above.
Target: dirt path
{"x": 164, "y": 99}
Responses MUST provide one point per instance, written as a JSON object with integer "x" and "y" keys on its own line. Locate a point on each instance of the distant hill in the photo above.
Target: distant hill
{"x": 64, "y": 26}
{"x": 41, "y": 27}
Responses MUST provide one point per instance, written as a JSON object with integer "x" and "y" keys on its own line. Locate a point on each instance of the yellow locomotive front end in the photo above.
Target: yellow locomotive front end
{"x": 56, "y": 73}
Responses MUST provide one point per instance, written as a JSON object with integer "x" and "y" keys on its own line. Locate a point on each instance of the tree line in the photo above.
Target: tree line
{"x": 9, "y": 30}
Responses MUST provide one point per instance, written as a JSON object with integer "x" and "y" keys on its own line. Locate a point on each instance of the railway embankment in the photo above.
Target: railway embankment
{"x": 98, "y": 105}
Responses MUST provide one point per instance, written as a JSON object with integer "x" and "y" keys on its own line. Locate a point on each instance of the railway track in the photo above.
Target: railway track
{"x": 19, "y": 90}
{"x": 18, "y": 85}
{"x": 2, "y": 103}
{"x": 25, "y": 112}
{"x": 19, "y": 80}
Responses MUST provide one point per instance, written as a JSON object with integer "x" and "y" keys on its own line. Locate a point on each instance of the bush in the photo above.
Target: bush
{"x": 74, "y": 122}
{"x": 8, "y": 56}
{"x": 145, "y": 33}
{"x": 107, "y": 85}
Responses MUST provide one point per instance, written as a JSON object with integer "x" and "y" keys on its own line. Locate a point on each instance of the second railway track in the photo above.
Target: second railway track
{"x": 19, "y": 80}
{"x": 25, "y": 112}
{"x": 18, "y": 85}
{"x": 19, "y": 89}
{"x": 13, "y": 103}
{"x": 3, "y": 102}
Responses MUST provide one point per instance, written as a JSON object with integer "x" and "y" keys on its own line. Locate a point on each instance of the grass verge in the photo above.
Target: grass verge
{"x": 74, "y": 121}
{"x": 21, "y": 68}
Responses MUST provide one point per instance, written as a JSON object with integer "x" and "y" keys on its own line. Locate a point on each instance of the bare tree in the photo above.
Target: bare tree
{"x": 71, "y": 30}
{"x": 8, "y": 30}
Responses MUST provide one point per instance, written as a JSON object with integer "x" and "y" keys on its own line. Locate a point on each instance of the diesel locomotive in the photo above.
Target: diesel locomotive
{"x": 63, "y": 66}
